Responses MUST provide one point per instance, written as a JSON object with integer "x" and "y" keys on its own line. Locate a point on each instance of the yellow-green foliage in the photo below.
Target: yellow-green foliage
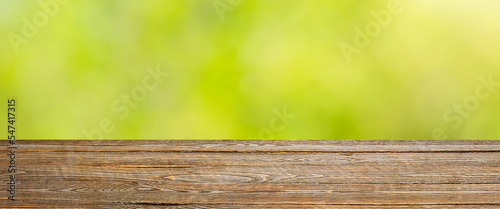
{"x": 228, "y": 77}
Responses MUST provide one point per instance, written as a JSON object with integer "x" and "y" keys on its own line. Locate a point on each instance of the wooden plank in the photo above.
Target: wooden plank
{"x": 263, "y": 145}
{"x": 316, "y": 167}
{"x": 256, "y": 174}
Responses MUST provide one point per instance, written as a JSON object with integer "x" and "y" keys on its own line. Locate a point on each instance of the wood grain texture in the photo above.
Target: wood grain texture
{"x": 255, "y": 174}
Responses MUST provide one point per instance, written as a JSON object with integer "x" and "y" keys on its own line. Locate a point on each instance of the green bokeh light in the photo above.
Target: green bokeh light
{"x": 227, "y": 78}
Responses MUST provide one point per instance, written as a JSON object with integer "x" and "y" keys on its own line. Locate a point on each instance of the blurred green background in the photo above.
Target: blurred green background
{"x": 235, "y": 66}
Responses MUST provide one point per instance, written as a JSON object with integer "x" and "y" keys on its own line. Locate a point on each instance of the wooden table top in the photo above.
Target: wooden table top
{"x": 254, "y": 174}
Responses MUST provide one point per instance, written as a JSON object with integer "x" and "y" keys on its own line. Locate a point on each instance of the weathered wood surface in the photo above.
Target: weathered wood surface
{"x": 255, "y": 174}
